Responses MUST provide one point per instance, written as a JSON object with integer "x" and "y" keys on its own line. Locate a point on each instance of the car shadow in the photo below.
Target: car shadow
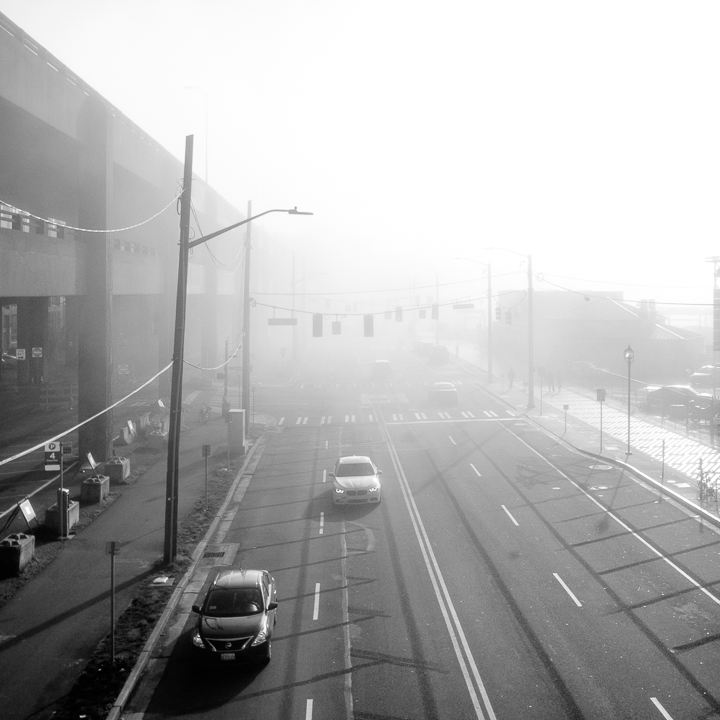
{"x": 192, "y": 683}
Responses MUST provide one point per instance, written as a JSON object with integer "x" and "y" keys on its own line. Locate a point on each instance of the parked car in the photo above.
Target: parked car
{"x": 677, "y": 401}
{"x": 237, "y": 616}
{"x": 356, "y": 479}
{"x": 443, "y": 393}
{"x": 706, "y": 377}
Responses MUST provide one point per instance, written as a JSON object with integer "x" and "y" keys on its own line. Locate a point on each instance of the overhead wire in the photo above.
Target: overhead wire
{"x": 54, "y": 221}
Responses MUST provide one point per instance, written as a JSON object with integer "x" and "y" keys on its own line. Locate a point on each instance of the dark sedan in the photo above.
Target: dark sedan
{"x": 237, "y": 616}
{"x": 676, "y": 401}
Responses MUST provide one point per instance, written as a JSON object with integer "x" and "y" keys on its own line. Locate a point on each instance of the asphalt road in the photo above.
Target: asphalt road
{"x": 503, "y": 575}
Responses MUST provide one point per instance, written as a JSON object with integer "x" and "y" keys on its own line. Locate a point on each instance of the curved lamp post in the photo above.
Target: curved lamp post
{"x": 629, "y": 357}
{"x": 173, "y": 454}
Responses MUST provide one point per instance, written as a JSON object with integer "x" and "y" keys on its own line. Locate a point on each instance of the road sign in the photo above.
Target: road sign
{"x": 53, "y": 454}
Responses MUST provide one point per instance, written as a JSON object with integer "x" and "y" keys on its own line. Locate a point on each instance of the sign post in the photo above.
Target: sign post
{"x": 206, "y": 455}
{"x": 111, "y": 548}
{"x": 53, "y": 463}
{"x": 601, "y": 399}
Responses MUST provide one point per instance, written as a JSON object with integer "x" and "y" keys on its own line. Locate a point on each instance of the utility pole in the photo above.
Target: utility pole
{"x": 173, "y": 455}
{"x": 246, "y": 326}
{"x": 489, "y": 322}
{"x": 531, "y": 349}
{"x": 437, "y": 305}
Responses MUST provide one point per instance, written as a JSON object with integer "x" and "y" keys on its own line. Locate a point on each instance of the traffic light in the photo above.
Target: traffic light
{"x": 368, "y": 329}
{"x": 498, "y": 313}
{"x": 398, "y": 314}
{"x": 508, "y": 317}
{"x": 317, "y": 324}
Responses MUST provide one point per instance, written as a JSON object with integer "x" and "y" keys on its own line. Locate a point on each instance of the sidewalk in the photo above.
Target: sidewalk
{"x": 663, "y": 457}
{"x": 51, "y": 627}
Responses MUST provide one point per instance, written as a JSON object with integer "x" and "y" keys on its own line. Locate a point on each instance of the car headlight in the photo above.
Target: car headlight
{"x": 197, "y": 641}
{"x": 262, "y": 636}
{"x": 339, "y": 490}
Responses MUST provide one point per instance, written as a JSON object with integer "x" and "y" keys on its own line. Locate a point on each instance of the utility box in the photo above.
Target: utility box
{"x": 117, "y": 468}
{"x": 16, "y": 551}
{"x": 54, "y": 514}
{"x": 94, "y": 489}
{"x": 236, "y": 431}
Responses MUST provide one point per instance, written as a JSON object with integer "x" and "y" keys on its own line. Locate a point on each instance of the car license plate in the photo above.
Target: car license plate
{"x": 227, "y": 656}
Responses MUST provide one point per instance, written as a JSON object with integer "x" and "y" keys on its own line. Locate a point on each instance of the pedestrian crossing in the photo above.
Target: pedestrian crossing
{"x": 409, "y": 416}
{"x": 677, "y": 450}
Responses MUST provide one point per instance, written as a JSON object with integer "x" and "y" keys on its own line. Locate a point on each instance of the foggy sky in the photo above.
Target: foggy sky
{"x": 421, "y": 134}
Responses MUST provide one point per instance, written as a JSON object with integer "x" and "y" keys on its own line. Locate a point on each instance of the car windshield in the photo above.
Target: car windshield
{"x": 230, "y": 602}
{"x": 355, "y": 469}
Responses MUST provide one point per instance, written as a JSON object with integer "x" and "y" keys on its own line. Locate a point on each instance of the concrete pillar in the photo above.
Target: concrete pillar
{"x": 32, "y": 321}
{"x": 95, "y": 312}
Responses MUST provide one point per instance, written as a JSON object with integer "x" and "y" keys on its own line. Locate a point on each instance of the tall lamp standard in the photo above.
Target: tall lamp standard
{"x": 629, "y": 356}
{"x": 173, "y": 455}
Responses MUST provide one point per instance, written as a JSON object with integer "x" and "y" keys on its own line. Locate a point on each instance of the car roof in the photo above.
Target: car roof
{"x": 235, "y": 578}
{"x": 443, "y": 384}
{"x": 354, "y": 459}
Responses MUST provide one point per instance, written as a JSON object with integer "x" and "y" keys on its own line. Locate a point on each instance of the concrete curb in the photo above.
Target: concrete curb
{"x": 149, "y": 647}
{"x": 661, "y": 487}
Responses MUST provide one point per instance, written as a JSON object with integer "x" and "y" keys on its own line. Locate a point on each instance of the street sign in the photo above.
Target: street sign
{"x": 20, "y": 353}
{"x": 37, "y": 352}
{"x": 206, "y": 451}
{"x": 53, "y": 454}
{"x": 27, "y": 511}
{"x": 600, "y": 394}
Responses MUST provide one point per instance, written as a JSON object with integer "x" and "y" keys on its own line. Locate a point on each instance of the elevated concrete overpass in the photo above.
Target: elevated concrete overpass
{"x": 89, "y": 234}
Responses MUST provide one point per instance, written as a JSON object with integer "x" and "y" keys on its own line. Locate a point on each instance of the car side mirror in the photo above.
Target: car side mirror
{"x": 196, "y": 609}
{"x": 379, "y": 472}
{"x": 272, "y": 605}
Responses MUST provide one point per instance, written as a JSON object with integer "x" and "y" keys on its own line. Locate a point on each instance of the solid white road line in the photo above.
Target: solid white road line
{"x": 510, "y": 515}
{"x": 451, "y": 439}
{"x": 308, "y": 709}
{"x": 281, "y": 420}
{"x": 475, "y": 470}
{"x": 347, "y": 656}
{"x": 567, "y": 589}
{"x": 662, "y": 710}
{"x": 316, "y": 606}
{"x": 324, "y": 475}
{"x": 471, "y": 675}
{"x": 322, "y": 523}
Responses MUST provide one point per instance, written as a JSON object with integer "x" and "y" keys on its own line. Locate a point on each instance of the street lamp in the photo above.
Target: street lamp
{"x": 629, "y": 356}
{"x": 173, "y": 456}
